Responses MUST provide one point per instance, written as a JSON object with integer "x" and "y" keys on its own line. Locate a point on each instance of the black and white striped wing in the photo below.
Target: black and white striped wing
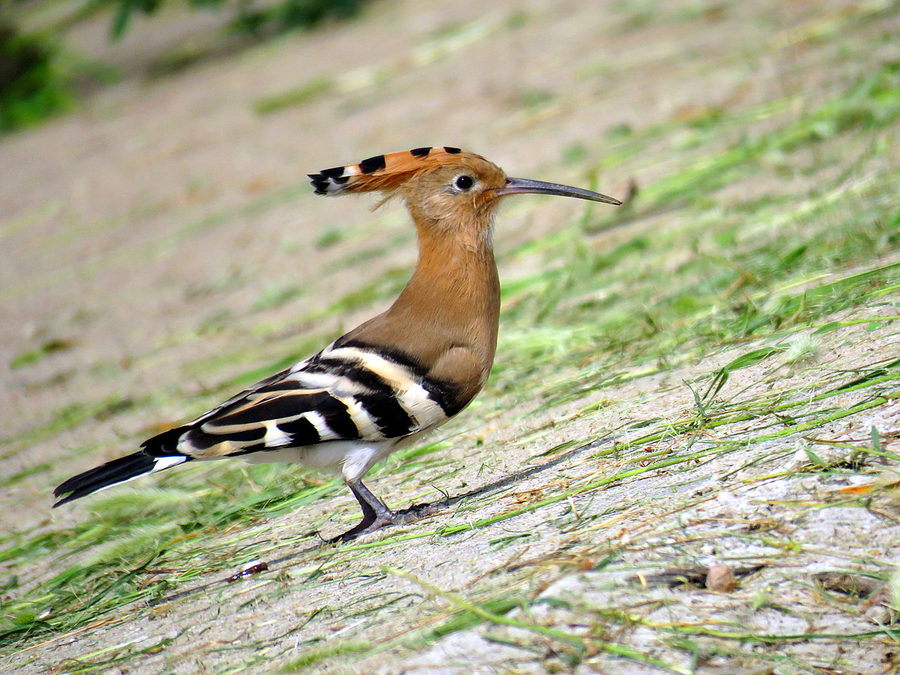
{"x": 344, "y": 393}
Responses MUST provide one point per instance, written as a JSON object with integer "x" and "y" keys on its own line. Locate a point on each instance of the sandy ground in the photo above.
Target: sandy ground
{"x": 164, "y": 206}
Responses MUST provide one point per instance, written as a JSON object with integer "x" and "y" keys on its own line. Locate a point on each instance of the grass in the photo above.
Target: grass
{"x": 731, "y": 286}
{"x": 730, "y": 307}
{"x": 166, "y": 521}
{"x": 296, "y": 97}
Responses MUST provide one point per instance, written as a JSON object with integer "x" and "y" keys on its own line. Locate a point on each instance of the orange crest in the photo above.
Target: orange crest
{"x": 383, "y": 172}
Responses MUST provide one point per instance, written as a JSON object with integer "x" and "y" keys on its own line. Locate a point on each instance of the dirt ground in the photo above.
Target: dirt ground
{"x": 142, "y": 233}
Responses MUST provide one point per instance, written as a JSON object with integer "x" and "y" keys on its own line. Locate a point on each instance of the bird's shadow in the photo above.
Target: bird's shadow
{"x": 404, "y": 516}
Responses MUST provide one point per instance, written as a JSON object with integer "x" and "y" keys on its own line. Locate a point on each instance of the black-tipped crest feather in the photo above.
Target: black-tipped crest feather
{"x": 384, "y": 172}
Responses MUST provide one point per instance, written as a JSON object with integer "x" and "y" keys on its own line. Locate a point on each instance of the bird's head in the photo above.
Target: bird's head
{"x": 446, "y": 189}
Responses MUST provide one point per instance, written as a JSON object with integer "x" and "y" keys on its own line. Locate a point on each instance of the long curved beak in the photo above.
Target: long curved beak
{"x": 520, "y": 186}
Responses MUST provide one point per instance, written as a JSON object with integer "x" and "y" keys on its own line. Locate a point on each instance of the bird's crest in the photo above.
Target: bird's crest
{"x": 384, "y": 172}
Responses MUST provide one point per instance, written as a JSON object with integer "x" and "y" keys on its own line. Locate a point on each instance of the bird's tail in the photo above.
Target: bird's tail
{"x": 113, "y": 473}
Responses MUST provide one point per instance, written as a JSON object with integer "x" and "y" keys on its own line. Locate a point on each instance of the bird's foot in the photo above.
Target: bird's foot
{"x": 365, "y": 526}
{"x": 377, "y": 515}
{"x": 387, "y": 518}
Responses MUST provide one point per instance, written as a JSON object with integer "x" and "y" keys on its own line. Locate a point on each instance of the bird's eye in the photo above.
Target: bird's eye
{"x": 463, "y": 182}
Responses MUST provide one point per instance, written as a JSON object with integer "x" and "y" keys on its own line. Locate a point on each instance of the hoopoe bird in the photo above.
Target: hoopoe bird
{"x": 391, "y": 379}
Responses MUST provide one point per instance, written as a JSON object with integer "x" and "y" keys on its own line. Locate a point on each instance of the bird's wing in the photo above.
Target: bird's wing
{"x": 346, "y": 392}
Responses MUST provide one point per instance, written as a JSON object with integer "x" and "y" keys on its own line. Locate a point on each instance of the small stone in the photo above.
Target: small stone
{"x": 877, "y": 609}
{"x": 881, "y": 615}
{"x": 720, "y": 578}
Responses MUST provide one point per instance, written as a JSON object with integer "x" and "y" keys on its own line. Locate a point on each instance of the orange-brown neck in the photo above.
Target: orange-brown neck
{"x": 451, "y": 301}
{"x": 455, "y": 289}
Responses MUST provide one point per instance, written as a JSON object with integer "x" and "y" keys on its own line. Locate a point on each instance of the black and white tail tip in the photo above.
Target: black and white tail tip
{"x": 112, "y": 473}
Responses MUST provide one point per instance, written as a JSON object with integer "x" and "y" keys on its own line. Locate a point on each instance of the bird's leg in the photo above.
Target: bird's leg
{"x": 375, "y": 513}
